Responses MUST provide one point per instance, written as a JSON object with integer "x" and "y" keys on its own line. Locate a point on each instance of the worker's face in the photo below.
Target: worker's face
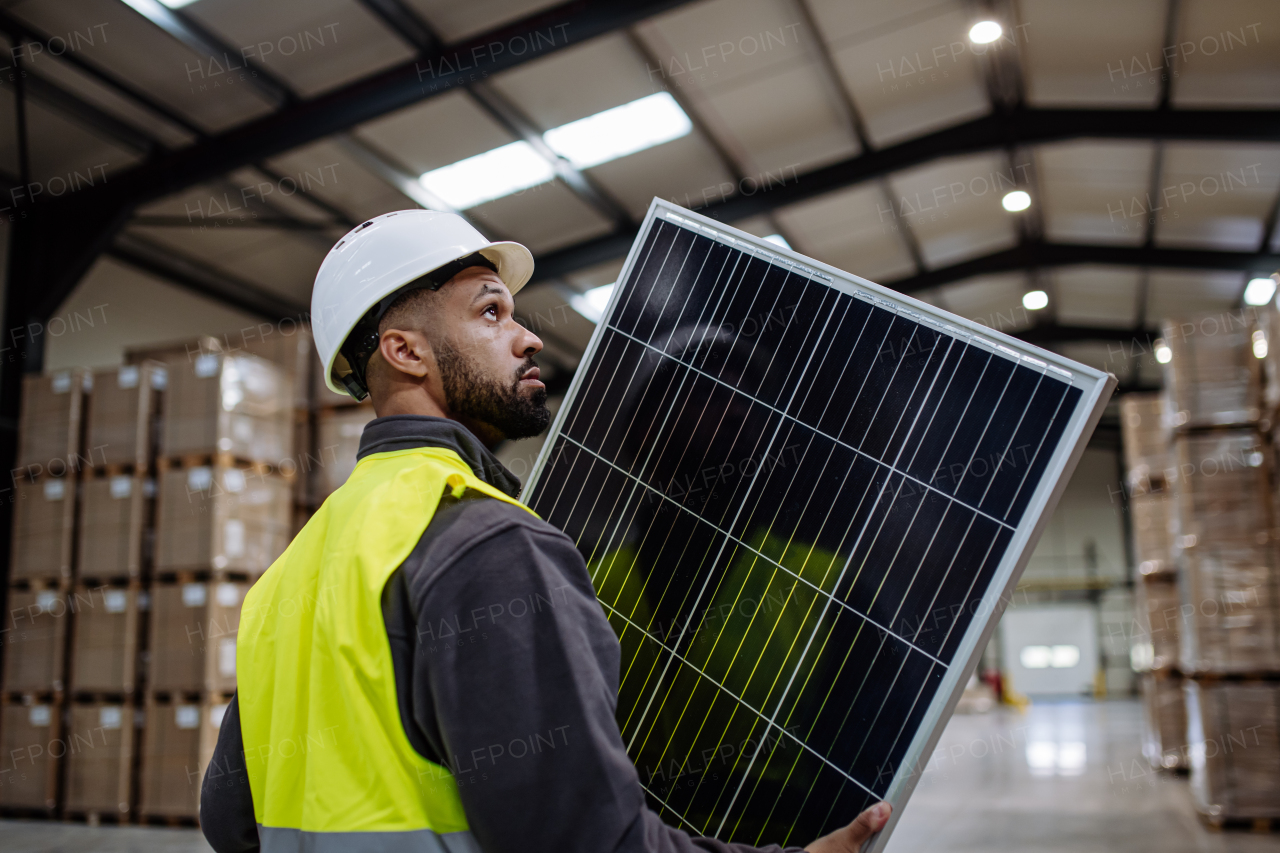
{"x": 484, "y": 358}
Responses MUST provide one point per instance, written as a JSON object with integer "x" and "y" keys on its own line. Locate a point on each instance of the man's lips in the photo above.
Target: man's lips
{"x": 531, "y": 376}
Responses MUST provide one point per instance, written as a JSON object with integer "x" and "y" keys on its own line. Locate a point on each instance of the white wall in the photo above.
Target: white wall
{"x": 116, "y": 307}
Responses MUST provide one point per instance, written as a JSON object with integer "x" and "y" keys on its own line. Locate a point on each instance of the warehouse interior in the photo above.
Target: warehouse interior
{"x": 1099, "y": 179}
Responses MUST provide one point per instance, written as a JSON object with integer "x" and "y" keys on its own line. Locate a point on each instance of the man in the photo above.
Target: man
{"x": 427, "y": 668}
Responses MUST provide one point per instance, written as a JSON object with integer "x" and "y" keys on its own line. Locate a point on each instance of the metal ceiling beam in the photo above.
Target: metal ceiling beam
{"x": 418, "y": 34}
{"x": 1066, "y": 254}
{"x": 198, "y": 277}
{"x": 505, "y": 47}
{"x": 1028, "y": 126}
{"x": 1060, "y": 333}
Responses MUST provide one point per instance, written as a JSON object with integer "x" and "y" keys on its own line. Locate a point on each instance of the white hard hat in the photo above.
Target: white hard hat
{"x": 366, "y": 270}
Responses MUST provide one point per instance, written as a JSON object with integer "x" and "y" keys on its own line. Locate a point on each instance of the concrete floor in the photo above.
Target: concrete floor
{"x": 1061, "y": 777}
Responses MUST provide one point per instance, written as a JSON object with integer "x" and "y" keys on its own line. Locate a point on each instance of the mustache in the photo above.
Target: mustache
{"x": 528, "y": 365}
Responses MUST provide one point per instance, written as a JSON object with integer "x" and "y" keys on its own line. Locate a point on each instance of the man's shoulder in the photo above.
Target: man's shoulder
{"x": 460, "y": 528}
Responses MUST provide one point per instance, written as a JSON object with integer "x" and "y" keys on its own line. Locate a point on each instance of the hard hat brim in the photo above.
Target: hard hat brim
{"x": 514, "y": 263}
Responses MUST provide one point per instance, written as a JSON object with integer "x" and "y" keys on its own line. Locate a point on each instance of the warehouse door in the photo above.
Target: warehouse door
{"x": 1050, "y": 650}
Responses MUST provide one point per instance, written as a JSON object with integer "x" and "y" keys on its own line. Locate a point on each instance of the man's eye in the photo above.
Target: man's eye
{"x": 491, "y": 311}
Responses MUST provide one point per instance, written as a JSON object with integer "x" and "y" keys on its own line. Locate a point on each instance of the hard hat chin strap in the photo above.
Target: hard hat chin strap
{"x": 364, "y": 338}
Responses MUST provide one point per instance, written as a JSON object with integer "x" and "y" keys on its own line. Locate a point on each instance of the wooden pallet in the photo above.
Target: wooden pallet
{"x": 1261, "y": 825}
{"x": 222, "y": 460}
{"x": 173, "y": 821}
{"x": 96, "y": 818}
{"x": 204, "y": 576}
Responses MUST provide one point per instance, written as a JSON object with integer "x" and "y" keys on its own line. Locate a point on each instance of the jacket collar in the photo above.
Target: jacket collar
{"x": 404, "y": 432}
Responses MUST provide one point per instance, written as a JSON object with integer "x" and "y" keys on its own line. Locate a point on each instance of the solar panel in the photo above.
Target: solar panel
{"x": 803, "y": 500}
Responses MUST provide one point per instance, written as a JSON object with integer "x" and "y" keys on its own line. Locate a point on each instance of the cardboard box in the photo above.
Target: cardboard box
{"x": 1233, "y": 729}
{"x": 333, "y": 458}
{"x": 1223, "y": 488}
{"x": 238, "y": 404}
{"x": 49, "y": 431}
{"x": 35, "y": 641}
{"x": 221, "y": 518}
{"x": 114, "y": 513}
{"x": 43, "y": 515}
{"x": 193, "y": 635}
{"x": 1213, "y": 377}
{"x": 1164, "y": 721}
{"x": 1146, "y": 440}
{"x": 104, "y": 650}
{"x": 99, "y": 774}
{"x": 1231, "y": 614}
{"x": 1158, "y": 609}
{"x": 121, "y": 422}
{"x": 177, "y": 743}
{"x": 30, "y": 746}
{"x": 1151, "y": 523}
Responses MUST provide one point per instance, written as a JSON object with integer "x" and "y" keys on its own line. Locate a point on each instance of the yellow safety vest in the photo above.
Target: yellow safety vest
{"x": 329, "y": 764}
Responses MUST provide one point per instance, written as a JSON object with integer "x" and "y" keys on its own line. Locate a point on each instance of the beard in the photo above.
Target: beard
{"x": 474, "y": 395}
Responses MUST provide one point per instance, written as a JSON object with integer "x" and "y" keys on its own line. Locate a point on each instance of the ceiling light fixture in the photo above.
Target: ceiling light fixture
{"x": 1035, "y": 300}
{"x": 1016, "y": 201}
{"x": 490, "y": 175}
{"x": 1164, "y": 355}
{"x": 617, "y": 132}
{"x": 593, "y": 303}
{"x": 605, "y": 136}
{"x": 985, "y": 32}
{"x": 1259, "y": 291}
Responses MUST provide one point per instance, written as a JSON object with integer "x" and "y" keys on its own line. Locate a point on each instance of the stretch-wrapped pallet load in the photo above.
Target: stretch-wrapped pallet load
{"x": 43, "y": 521}
{"x": 1227, "y": 553}
{"x": 1165, "y": 720}
{"x": 193, "y": 636}
{"x": 100, "y": 742}
{"x": 1234, "y": 732}
{"x": 221, "y": 518}
{"x": 1214, "y": 377}
{"x": 37, "y": 621}
{"x": 332, "y": 459}
{"x": 1159, "y": 614}
{"x": 122, "y": 417}
{"x": 114, "y": 515}
{"x": 177, "y": 743}
{"x": 1151, "y": 522}
{"x": 104, "y": 651}
{"x": 1146, "y": 437}
{"x": 49, "y": 431}
{"x": 234, "y": 405}
{"x": 31, "y": 744}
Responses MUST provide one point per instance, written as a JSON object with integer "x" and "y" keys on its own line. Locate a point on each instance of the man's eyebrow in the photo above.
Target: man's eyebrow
{"x": 485, "y": 290}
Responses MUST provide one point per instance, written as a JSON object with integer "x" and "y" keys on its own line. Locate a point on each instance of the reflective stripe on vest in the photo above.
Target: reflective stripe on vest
{"x": 276, "y": 839}
{"x": 329, "y": 764}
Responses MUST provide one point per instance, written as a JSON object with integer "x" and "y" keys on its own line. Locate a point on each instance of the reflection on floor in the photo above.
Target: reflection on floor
{"x": 1066, "y": 776}
{"x": 1061, "y": 777}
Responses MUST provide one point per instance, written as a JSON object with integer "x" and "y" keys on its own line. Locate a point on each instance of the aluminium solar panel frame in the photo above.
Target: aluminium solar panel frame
{"x": 1096, "y": 387}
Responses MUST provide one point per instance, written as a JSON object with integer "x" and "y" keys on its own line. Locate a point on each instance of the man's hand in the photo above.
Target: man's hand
{"x": 850, "y": 838}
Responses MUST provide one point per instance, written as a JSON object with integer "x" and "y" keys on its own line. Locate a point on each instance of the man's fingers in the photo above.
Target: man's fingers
{"x": 869, "y": 822}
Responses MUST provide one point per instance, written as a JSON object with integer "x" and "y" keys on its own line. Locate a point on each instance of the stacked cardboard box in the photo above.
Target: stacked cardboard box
{"x": 1227, "y": 556}
{"x": 1213, "y": 377}
{"x": 338, "y": 431}
{"x": 1226, "y": 539}
{"x": 1155, "y": 642}
{"x": 31, "y": 738}
{"x": 1235, "y": 748}
{"x": 224, "y": 500}
{"x": 100, "y": 740}
{"x": 39, "y": 613}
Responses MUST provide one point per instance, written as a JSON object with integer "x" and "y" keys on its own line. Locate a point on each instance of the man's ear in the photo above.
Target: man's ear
{"x": 407, "y": 352}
